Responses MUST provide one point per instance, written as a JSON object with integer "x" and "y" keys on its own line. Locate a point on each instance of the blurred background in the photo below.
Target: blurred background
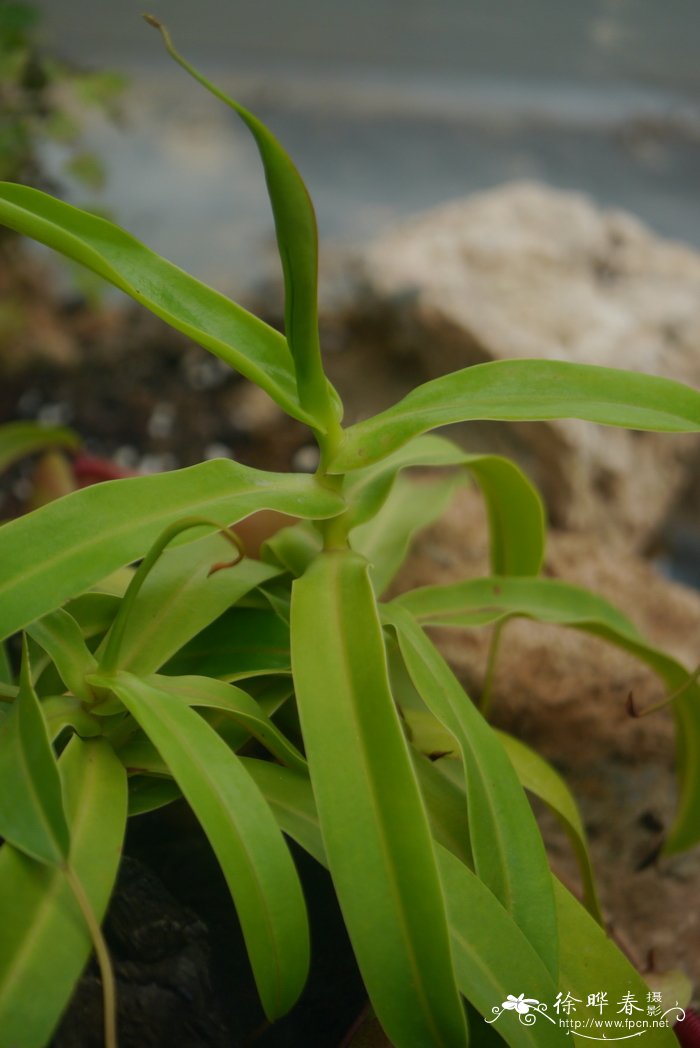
{"x": 388, "y": 107}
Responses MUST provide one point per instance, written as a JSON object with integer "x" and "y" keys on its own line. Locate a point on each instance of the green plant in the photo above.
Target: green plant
{"x": 136, "y": 692}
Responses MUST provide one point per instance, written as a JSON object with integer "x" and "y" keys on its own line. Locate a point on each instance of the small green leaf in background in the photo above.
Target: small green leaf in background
{"x": 242, "y": 643}
{"x": 18, "y": 439}
{"x": 374, "y": 826}
{"x": 31, "y": 801}
{"x": 524, "y": 391}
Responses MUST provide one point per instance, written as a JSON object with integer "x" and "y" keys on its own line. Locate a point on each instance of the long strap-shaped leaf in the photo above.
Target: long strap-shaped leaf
{"x": 45, "y": 943}
{"x": 67, "y": 546}
{"x": 374, "y": 825}
{"x": 254, "y": 858}
{"x": 480, "y": 601}
{"x": 509, "y": 855}
{"x": 491, "y": 954}
{"x": 297, "y": 240}
{"x": 209, "y": 318}
{"x": 524, "y": 391}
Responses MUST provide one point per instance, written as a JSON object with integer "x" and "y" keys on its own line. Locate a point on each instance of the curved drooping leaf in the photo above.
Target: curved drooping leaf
{"x": 18, "y": 439}
{"x": 523, "y": 391}
{"x": 64, "y": 711}
{"x": 254, "y": 858}
{"x": 374, "y": 826}
{"x": 540, "y": 779}
{"x": 149, "y": 793}
{"x": 32, "y": 817}
{"x": 508, "y": 852}
{"x": 297, "y": 240}
{"x": 45, "y": 942}
{"x": 482, "y": 601}
{"x": 242, "y": 643}
{"x": 63, "y": 548}
{"x": 241, "y": 340}
{"x": 514, "y": 507}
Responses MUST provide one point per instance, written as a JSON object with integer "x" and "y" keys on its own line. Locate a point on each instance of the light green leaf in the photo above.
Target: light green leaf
{"x": 64, "y": 711}
{"x": 45, "y": 942}
{"x": 243, "y": 642}
{"x": 374, "y": 825}
{"x": 61, "y": 638}
{"x": 148, "y": 793}
{"x": 297, "y": 240}
{"x": 508, "y": 852}
{"x": 207, "y": 317}
{"x": 292, "y": 548}
{"x": 523, "y": 391}
{"x": 481, "y": 601}
{"x": 242, "y": 831}
{"x": 385, "y": 539}
{"x": 179, "y": 599}
{"x": 244, "y": 710}
{"x": 540, "y": 778}
{"x": 494, "y": 959}
{"x": 63, "y": 548}
{"x": 31, "y": 803}
{"x": 514, "y": 507}
{"x": 291, "y": 800}
{"x": 18, "y": 439}
{"x": 588, "y": 958}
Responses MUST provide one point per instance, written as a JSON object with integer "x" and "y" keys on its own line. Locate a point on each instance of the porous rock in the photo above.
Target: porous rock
{"x": 528, "y": 271}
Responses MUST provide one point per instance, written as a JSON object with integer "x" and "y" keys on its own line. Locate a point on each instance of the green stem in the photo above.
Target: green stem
{"x": 109, "y": 992}
{"x": 490, "y": 675}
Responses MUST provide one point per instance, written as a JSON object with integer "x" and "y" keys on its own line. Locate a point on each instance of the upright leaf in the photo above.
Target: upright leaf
{"x": 508, "y": 852}
{"x": 297, "y": 240}
{"x": 45, "y": 943}
{"x": 31, "y": 802}
{"x": 242, "y": 831}
{"x": 207, "y": 317}
{"x": 374, "y": 825}
{"x": 63, "y": 548}
{"x": 523, "y": 391}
